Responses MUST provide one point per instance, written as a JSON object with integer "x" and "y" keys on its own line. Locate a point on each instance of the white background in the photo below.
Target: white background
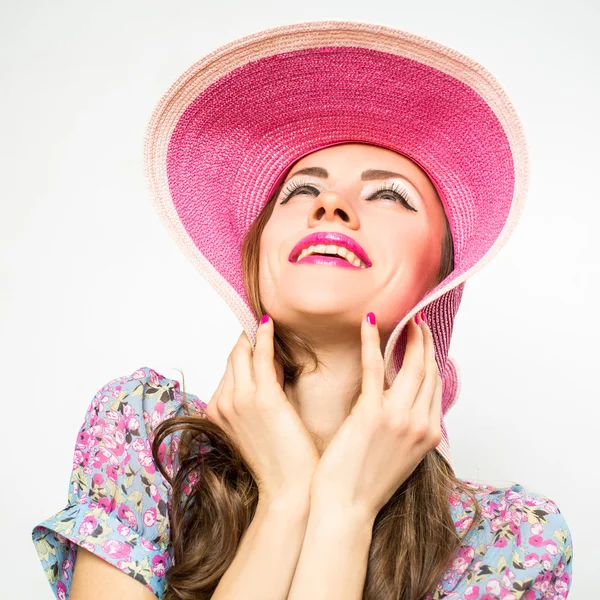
{"x": 92, "y": 286}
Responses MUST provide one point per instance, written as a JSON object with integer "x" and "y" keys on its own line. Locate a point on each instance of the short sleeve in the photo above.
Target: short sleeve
{"x": 118, "y": 501}
{"x": 522, "y": 549}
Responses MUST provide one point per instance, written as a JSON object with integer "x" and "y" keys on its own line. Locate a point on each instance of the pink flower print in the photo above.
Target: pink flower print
{"x": 463, "y": 524}
{"x": 133, "y": 424}
{"x": 561, "y": 587}
{"x": 559, "y": 570}
{"x": 117, "y": 549}
{"x": 472, "y": 592}
{"x": 551, "y": 548}
{"x": 113, "y": 415}
{"x": 154, "y": 493}
{"x": 149, "y": 517}
{"x": 112, "y": 473}
{"x": 493, "y": 588}
{"x": 531, "y": 560}
{"x": 537, "y": 528}
{"x": 159, "y": 566}
{"x": 161, "y": 451}
{"x": 88, "y": 546}
{"x": 501, "y": 542}
{"x": 98, "y": 479}
{"x": 88, "y": 525}
{"x": 487, "y": 512}
{"x": 513, "y": 495}
{"x": 77, "y": 458}
{"x": 61, "y": 590}
{"x": 126, "y": 513}
{"x": 154, "y": 377}
{"x": 101, "y": 457}
{"x": 139, "y": 374}
{"x": 128, "y": 410}
{"x": 148, "y": 544}
{"x": 123, "y": 530}
{"x": 138, "y": 444}
{"x": 193, "y": 477}
{"x": 536, "y": 540}
{"x": 107, "y": 504}
{"x": 83, "y": 439}
{"x": 147, "y": 461}
{"x": 103, "y": 399}
{"x": 157, "y": 415}
{"x": 507, "y": 577}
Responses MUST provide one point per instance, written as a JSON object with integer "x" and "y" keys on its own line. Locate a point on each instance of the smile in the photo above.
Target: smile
{"x": 332, "y": 261}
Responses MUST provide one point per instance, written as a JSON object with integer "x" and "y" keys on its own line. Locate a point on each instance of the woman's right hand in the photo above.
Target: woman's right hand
{"x": 251, "y": 406}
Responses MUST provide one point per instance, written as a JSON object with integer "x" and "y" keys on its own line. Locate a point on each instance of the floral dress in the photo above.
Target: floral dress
{"x": 118, "y": 502}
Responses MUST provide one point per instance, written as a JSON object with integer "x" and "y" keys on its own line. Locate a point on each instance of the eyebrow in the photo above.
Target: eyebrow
{"x": 367, "y": 175}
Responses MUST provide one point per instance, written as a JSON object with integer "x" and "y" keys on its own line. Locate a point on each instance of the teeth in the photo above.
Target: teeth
{"x": 333, "y": 250}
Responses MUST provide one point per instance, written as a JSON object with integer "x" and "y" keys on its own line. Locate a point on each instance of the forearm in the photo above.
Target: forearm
{"x": 333, "y": 559}
{"x": 266, "y": 559}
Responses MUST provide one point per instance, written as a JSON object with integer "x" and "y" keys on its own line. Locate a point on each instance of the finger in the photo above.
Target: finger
{"x": 372, "y": 364}
{"x": 212, "y": 408}
{"x": 405, "y": 386}
{"x": 435, "y": 414}
{"x": 265, "y": 371}
{"x": 243, "y": 370}
{"x": 425, "y": 396}
{"x": 225, "y": 399}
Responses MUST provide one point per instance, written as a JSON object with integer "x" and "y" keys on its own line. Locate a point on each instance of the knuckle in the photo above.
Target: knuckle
{"x": 420, "y": 429}
{"x": 436, "y": 436}
{"x": 399, "y": 424}
{"x": 225, "y": 409}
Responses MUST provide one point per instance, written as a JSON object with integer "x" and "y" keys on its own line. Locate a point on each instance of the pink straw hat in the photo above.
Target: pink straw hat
{"x": 224, "y": 136}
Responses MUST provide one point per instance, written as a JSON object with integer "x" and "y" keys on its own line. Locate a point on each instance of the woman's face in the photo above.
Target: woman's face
{"x": 402, "y": 239}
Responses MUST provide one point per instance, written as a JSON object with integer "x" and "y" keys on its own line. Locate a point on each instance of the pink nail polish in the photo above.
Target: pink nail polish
{"x": 416, "y": 318}
{"x": 264, "y": 319}
{"x": 424, "y": 318}
{"x": 371, "y": 318}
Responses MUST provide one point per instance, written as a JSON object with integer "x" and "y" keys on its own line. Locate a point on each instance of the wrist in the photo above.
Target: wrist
{"x": 293, "y": 505}
{"x": 349, "y": 517}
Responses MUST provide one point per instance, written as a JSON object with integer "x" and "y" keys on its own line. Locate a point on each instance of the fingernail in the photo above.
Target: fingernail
{"x": 264, "y": 319}
{"x": 416, "y": 318}
{"x": 424, "y": 318}
{"x": 371, "y": 318}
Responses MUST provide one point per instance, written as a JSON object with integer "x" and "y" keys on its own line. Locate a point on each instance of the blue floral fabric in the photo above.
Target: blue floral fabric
{"x": 118, "y": 502}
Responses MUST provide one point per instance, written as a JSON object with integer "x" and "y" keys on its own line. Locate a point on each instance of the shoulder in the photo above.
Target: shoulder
{"x": 521, "y": 542}
{"x": 117, "y": 504}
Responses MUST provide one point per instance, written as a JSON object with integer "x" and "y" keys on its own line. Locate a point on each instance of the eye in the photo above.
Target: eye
{"x": 292, "y": 187}
{"x": 397, "y": 193}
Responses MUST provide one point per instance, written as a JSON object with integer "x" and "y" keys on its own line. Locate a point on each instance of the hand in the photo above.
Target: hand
{"x": 251, "y": 406}
{"x": 387, "y": 433}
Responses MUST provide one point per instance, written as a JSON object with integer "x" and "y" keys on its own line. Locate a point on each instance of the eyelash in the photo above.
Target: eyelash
{"x": 398, "y": 192}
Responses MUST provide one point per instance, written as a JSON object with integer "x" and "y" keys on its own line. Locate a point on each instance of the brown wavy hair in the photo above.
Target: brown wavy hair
{"x": 414, "y": 537}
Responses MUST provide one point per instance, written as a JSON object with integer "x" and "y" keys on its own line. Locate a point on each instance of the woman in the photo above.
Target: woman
{"x": 320, "y": 467}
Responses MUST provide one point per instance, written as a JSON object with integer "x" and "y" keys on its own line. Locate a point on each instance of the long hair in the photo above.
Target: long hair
{"x": 214, "y": 496}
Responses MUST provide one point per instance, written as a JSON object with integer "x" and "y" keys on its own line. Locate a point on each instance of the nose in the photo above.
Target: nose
{"x": 332, "y": 206}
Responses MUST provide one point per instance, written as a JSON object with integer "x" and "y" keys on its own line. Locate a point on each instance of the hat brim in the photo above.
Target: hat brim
{"x": 224, "y": 135}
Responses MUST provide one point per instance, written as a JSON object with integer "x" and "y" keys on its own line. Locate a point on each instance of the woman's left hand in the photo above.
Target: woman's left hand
{"x": 387, "y": 433}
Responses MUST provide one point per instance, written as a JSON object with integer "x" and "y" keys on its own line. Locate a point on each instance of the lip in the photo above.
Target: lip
{"x": 329, "y": 237}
